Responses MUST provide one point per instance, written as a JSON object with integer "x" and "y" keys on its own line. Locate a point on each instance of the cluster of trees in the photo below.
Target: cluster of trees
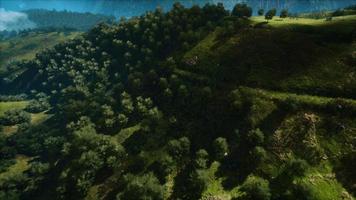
{"x": 244, "y": 11}
{"x": 39, "y": 103}
{"x": 18, "y": 97}
{"x": 14, "y": 116}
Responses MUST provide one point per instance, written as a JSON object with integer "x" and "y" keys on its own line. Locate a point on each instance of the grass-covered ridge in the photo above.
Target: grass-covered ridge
{"x": 25, "y": 48}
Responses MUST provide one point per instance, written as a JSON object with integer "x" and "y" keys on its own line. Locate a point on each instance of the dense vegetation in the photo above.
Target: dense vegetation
{"x": 195, "y": 103}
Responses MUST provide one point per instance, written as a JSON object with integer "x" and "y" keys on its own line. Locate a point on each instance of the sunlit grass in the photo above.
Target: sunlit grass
{"x": 280, "y": 22}
{"x": 19, "y": 167}
{"x": 215, "y": 188}
{"x": 5, "y": 106}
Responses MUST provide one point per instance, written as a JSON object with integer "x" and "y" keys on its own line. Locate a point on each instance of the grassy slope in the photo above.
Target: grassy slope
{"x": 291, "y": 55}
{"x": 316, "y": 68}
{"x": 36, "y": 118}
{"x": 26, "y": 47}
{"x": 290, "y": 22}
{"x": 5, "y": 106}
{"x": 16, "y": 169}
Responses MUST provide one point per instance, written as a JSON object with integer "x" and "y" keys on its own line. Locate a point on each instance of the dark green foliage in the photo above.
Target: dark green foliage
{"x": 241, "y": 10}
{"x": 270, "y": 14}
{"x": 256, "y": 188}
{"x": 284, "y": 13}
{"x": 345, "y": 171}
{"x": 14, "y": 116}
{"x": 5, "y": 163}
{"x": 87, "y": 154}
{"x": 258, "y": 155}
{"x": 145, "y": 187}
{"x": 296, "y": 168}
{"x": 261, "y": 12}
{"x": 221, "y": 148}
{"x": 40, "y": 104}
{"x": 201, "y": 159}
{"x": 199, "y": 180}
{"x": 163, "y": 167}
{"x": 255, "y": 137}
{"x": 179, "y": 149}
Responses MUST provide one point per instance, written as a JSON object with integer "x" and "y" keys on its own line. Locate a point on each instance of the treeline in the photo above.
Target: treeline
{"x": 350, "y": 10}
{"x": 66, "y": 19}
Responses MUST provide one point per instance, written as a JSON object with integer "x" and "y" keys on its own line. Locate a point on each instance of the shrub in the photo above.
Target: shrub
{"x": 36, "y": 106}
{"x": 15, "y": 116}
{"x": 261, "y": 12}
{"x": 255, "y": 137}
{"x": 145, "y": 187}
{"x": 296, "y": 168}
{"x": 199, "y": 181}
{"x": 256, "y": 188}
{"x": 284, "y": 13}
{"x": 201, "y": 159}
{"x": 270, "y": 14}
{"x": 180, "y": 148}
{"x": 221, "y": 148}
{"x": 258, "y": 155}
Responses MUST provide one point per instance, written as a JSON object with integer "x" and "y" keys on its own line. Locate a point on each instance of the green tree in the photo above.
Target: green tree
{"x": 296, "y": 168}
{"x": 179, "y": 149}
{"x": 256, "y": 188}
{"x": 199, "y": 180}
{"x": 145, "y": 187}
{"x": 270, "y": 14}
{"x": 260, "y": 12}
{"x": 258, "y": 155}
{"x": 284, "y": 13}
{"x": 201, "y": 159}
{"x": 221, "y": 148}
{"x": 255, "y": 137}
{"x": 14, "y": 116}
{"x": 242, "y": 10}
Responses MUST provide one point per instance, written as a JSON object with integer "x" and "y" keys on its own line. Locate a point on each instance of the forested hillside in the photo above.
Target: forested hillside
{"x": 195, "y": 103}
{"x": 66, "y": 19}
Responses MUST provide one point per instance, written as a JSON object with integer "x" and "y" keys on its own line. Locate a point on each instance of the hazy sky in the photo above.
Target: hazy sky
{"x": 138, "y": 7}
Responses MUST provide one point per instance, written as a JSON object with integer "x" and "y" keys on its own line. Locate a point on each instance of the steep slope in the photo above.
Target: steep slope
{"x": 298, "y": 55}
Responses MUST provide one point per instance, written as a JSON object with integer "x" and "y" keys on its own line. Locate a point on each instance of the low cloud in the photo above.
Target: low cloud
{"x": 14, "y": 21}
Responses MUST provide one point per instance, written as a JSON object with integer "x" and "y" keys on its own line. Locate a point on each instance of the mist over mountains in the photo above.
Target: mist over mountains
{"x": 14, "y": 21}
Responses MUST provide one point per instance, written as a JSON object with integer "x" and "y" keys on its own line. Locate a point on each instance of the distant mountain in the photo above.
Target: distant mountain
{"x": 59, "y": 19}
